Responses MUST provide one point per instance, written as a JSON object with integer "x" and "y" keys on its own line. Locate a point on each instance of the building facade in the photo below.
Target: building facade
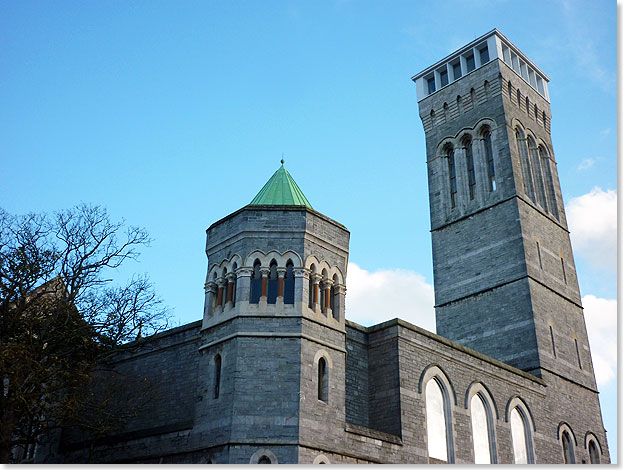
{"x": 274, "y": 373}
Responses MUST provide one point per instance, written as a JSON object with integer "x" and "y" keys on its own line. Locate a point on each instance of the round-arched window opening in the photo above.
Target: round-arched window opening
{"x": 264, "y": 460}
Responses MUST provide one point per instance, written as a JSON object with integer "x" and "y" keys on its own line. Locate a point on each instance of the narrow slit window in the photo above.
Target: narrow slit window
{"x": 452, "y": 173}
{"x": 217, "y": 376}
{"x": 551, "y": 335}
{"x": 577, "y": 351}
{"x": 323, "y": 380}
{"x": 538, "y": 249}
{"x": 567, "y": 448}
{"x": 471, "y": 172}
{"x": 490, "y": 164}
{"x": 564, "y": 273}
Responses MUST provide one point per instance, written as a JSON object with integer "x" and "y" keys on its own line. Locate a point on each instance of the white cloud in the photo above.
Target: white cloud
{"x": 601, "y": 324}
{"x": 592, "y": 221}
{"x": 374, "y": 297}
{"x": 586, "y": 164}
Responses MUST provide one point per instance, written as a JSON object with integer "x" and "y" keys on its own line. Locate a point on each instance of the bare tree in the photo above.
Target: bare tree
{"x": 61, "y": 315}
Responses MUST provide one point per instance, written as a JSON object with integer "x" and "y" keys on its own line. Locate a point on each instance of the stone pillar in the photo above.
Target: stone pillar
{"x": 229, "y": 290}
{"x": 281, "y": 273}
{"x": 340, "y": 293}
{"x": 220, "y": 282}
{"x": 316, "y": 278}
{"x": 265, "y": 272}
{"x": 301, "y": 283}
{"x": 327, "y": 296}
{"x": 208, "y": 308}
{"x": 243, "y": 287}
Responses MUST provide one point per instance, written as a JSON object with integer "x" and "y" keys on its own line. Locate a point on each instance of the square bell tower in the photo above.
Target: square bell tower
{"x": 505, "y": 279}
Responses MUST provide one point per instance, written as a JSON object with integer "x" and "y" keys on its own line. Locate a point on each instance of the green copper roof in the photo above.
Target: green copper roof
{"x": 281, "y": 190}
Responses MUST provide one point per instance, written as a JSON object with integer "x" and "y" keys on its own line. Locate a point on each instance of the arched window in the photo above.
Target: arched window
{"x": 567, "y": 448}
{"x": 490, "y": 164}
{"x": 452, "y": 176}
{"x": 263, "y": 456}
{"x": 256, "y": 283}
{"x": 273, "y": 283}
{"x": 481, "y": 419}
{"x": 217, "y": 375}
{"x": 593, "y": 452}
{"x": 510, "y": 90}
{"x": 323, "y": 380}
{"x": 486, "y": 87}
{"x": 445, "y": 111}
{"x": 472, "y": 95}
{"x": 538, "y": 175}
{"x": 288, "y": 283}
{"x": 518, "y": 98}
{"x": 458, "y": 104}
{"x": 437, "y": 416}
{"x": 528, "y": 105}
{"x": 549, "y": 180}
{"x": 520, "y": 432}
{"x": 471, "y": 172}
{"x": 322, "y": 297}
{"x": 522, "y": 146}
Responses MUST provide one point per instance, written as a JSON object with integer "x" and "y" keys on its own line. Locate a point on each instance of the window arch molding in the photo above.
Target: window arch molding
{"x": 434, "y": 373}
{"x": 431, "y": 371}
{"x": 280, "y": 258}
{"x": 591, "y": 438}
{"x": 564, "y": 428}
{"x": 479, "y": 389}
{"x": 483, "y": 126}
{"x": 321, "y": 458}
{"x": 517, "y": 402}
{"x": 444, "y": 145}
{"x": 263, "y": 453}
{"x": 528, "y": 421}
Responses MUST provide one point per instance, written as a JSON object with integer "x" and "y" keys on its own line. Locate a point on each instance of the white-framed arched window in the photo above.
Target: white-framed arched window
{"x": 439, "y": 398}
{"x": 522, "y": 428}
{"x": 483, "y": 415}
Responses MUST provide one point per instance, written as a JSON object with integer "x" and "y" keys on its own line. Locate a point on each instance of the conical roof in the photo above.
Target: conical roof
{"x": 281, "y": 190}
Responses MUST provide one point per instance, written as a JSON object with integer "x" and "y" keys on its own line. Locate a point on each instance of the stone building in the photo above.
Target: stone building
{"x": 275, "y": 373}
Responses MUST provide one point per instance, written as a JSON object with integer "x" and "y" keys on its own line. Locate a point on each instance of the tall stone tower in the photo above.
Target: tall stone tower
{"x": 505, "y": 279}
{"x": 273, "y": 335}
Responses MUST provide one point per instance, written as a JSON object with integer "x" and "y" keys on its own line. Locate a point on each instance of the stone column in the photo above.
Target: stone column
{"x": 340, "y": 293}
{"x": 208, "y": 308}
{"x": 220, "y": 282}
{"x": 301, "y": 283}
{"x": 327, "y": 296}
{"x": 243, "y": 288}
{"x": 229, "y": 297}
{"x": 316, "y": 278}
{"x": 281, "y": 274}
{"x": 265, "y": 272}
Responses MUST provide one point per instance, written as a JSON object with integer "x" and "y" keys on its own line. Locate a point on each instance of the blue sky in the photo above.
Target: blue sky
{"x": 174, "y": 114}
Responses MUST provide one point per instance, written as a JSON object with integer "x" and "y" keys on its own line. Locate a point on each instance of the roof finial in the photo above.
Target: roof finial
{"x": 282, "y": 160}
